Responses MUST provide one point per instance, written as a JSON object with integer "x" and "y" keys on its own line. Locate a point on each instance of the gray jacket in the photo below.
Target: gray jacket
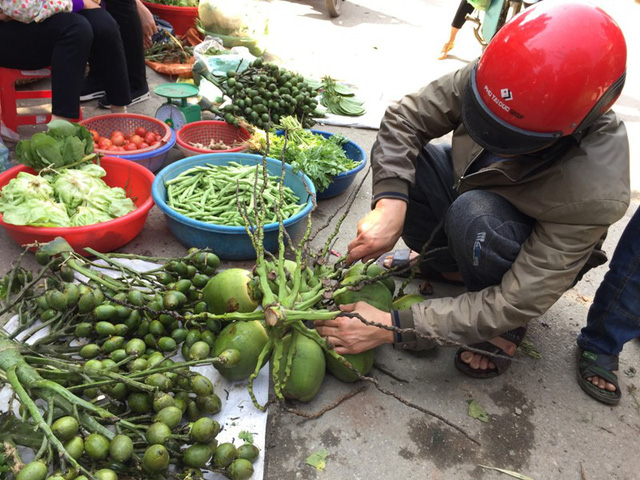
{"x": 574, "y": 198}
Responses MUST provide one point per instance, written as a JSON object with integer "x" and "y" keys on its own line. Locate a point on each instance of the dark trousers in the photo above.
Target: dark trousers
{"x": 65, "y": 41}
{"x": 464, "y": 9}
{"x": 477, "y": 233}
{"x": 125, "y": 13}
{"x": 614, "y": 316}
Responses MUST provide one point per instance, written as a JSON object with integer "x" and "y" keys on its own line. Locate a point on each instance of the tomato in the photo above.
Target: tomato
{"x": 141, "y": 131}
{"x": 104, "y": 143}
{"x": 154, "y": 143}
{"x": 137, "y": 139}
{"x": 143, "y": 145}
{"x": 130, "y": 146}
{"x": 117, "y": 138}
{"x": 149, "y": 138}
{"x": 95, "y": 135}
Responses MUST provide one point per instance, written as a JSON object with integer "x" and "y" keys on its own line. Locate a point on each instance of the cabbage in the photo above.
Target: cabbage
{"x": 24, "y": 187}
{"x": 113, "y": 201}
{"x": 86, "y": 215}
{"x": 73, "y": 186}
{"x": 93, "y": 169}
{"x": 37, "y": 213}
{"x": 73, "y": 197}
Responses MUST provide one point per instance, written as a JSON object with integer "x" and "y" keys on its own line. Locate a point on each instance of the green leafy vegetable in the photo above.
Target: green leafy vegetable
{"x": 23, "y": 187}
{"x": 73, "y": 197}
{"x": 246, "y": 436}
{"x": 318, "y": 157}
{"x": 63, "y": 144}
{"x": 86, "y": 215}
{"x": 37, "y": 213}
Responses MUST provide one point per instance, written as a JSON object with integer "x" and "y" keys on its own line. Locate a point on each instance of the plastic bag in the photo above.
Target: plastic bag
{"x": 236, "y": 58}
{"x": 237, "y": 22}
{"x": 480, "y": 4}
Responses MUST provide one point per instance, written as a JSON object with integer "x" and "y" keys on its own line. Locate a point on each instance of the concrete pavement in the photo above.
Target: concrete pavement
{"x": 540, "y": 423}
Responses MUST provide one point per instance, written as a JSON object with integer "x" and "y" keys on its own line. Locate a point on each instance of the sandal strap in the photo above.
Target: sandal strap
{"x": 515, "y": 335}
{"x": 598, "y": 365}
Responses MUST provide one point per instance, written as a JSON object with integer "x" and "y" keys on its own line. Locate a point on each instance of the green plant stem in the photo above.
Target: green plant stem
{"x": 31, "y": 407}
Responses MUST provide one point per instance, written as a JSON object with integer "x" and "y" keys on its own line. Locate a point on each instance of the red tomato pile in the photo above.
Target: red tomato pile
{"x": 120, "y": 142}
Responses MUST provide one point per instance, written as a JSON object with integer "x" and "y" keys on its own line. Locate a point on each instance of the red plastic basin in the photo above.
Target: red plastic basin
{"x": 103, "y": 237}
{"x": 180, "y": 18}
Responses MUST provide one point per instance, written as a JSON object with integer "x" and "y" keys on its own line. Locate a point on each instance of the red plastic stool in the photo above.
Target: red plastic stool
{"x": 10, "y": 96}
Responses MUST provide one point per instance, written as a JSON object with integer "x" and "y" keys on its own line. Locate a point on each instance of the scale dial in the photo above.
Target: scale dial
{"x": 171, "y": 115}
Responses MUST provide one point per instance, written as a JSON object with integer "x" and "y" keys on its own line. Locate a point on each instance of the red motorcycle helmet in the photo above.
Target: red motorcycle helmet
{"x": 548, "y": 73}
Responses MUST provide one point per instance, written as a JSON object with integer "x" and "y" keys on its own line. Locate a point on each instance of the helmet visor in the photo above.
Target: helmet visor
{"x": 493, "y": 133}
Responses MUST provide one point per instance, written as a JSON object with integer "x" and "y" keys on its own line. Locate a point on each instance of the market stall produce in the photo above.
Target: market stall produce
{"x": 101, "y": 353}
{"x": 62, "y": 189}
{"x": 330, "y": 161}
{"x": 262, "y": 94}
{"x": 137, "y": 138}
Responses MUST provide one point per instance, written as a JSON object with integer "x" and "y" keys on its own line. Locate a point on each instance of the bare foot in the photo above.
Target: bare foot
{"x": 603, "y": 384}
{"x": 480, "y": 362}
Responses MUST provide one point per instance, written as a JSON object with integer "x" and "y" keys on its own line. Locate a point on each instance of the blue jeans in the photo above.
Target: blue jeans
{"x": 477, "y": 233}
{"x": 614, "y": 316}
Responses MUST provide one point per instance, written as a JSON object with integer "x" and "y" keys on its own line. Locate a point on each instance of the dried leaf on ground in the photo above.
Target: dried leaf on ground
{"x": 476, "y": 411}
{"x": 318, "y": 460}
{"x": 507, "y": 472}
{"x": 529, "y": 349}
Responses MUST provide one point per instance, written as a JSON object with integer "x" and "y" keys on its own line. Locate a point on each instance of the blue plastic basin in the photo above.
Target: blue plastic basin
{"x": 231, "y": 243}
{"x": 343, "y": 180}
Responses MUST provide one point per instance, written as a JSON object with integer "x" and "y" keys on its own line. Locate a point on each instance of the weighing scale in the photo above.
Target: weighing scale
{"x": 177, "y": 112}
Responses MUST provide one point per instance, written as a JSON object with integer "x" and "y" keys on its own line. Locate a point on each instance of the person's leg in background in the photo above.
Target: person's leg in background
{"x": 62, "y": 41}
{"x": 613, "y": 319}
{"x": 125, "y": 13}
{"x": 107, "y": 58}
{"x": 459, "y": 20}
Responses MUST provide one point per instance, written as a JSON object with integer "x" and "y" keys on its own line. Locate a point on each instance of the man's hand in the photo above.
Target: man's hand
{"x": 149, "y": 27}
{"x": 350, "y": 335}
{"x": 379, "y": 231}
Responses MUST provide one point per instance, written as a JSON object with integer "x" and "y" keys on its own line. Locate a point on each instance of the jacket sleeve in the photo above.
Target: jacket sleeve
{"x": 27, "y": 11}
{"x": 409, "y": 125}
{"x": 544, "y": 269}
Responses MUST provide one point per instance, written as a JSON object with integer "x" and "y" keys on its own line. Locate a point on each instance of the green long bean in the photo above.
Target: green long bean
{"x": 209, "y": 193}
